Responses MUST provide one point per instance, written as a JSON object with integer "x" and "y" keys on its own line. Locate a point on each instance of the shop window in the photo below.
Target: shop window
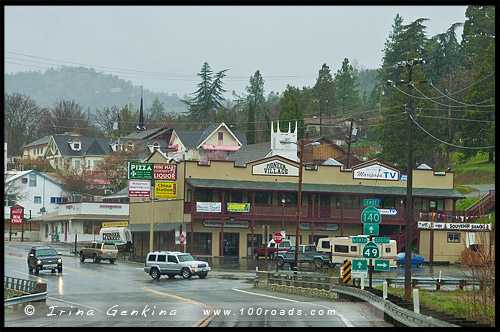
{"x": 432, "y": 205}
{"x": 339, "y": 248}
{"x": 453, "y": 237}
{"x": 203, "y": 195}
{"x": 440, "y": 205}
{"x": 88, "y": 228}
{"x": 351, "y": 202}
{"x": 262, "y": 197}
{"x": 202, "y": 243}
{"x": 237, "y": 197}
{"x": 291, "y": 199}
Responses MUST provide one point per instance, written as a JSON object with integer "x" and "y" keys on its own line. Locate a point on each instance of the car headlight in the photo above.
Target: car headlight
{"x": 38, "y": 262}
{"x": 59, "y": 260}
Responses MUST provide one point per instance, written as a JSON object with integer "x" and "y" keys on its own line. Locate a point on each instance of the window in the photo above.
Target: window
{"x": 389, "y": 202}
{"x": 37, "y": 200}
{"x": 152, "y": 258}
{"x": 162, "y": 258}
{"x": 354, "y": 248}
{"x": 262, "y": 197}
{"x": 88, "y": 163}
{"x": 32, "y": 180}
{"x": 339, "y": 248}
{"x": 24, "y": 180}
{"x": 453, "y": 237}
{"x": 95, "y": 163}
{"x": 201, "y": 243}
{"x": 76, "y": 146}
{"x": 172, "y": 259}
{"x": 220, "y": 136}
{"x": 156, "y": 146}
{"x": 11, "y": 200}
{"x": 77, "y": 163}
{"x": 388, "y": 250}
{"x": 325, "y": 244}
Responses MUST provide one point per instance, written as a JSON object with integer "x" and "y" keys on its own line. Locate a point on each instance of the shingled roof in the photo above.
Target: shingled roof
{"x": 89, "y": 145}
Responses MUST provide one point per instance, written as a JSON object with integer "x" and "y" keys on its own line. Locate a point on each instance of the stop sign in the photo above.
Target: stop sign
{"x": 182, "y": 238}
{"x": 277, "y": 237}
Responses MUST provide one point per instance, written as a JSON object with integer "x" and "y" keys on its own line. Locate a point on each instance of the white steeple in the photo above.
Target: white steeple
{"x": 284, "y": 143}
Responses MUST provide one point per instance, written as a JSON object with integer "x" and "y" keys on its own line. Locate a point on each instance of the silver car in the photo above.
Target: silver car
{"x": 172, "y": 263}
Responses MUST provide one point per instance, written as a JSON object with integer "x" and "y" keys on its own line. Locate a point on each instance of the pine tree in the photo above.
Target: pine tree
{"x": 290, "y": 109}
{"x": 254, "y": 104}
{"x": 324, "y": 91}
{"x": 347, "y": 100}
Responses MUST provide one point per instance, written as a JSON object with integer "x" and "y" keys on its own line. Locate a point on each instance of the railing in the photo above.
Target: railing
{"x": 31, "y": 290}
{"x": 486, "y": 203}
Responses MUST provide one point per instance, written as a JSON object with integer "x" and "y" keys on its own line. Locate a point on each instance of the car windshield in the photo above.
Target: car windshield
{"x": 46, "y": 252}
{"x": 185, "y": 258}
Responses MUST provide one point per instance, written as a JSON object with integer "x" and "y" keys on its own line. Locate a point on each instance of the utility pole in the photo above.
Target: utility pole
{"x": 349, "y": 146}
{"x": 299, "y": 204}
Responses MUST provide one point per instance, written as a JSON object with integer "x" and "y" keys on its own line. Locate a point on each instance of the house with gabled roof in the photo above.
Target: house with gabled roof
{"x": 36, "y": 149}
{"x": 144, "y": 142}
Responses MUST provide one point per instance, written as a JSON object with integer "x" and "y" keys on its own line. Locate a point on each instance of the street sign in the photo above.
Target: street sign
{"x": 371, "y": 215}
{"x": 381, "y": 265}
{"x": 359, "y": 265}
{"x": 359, "y": 239}
{"x": 165, "y": 172}
{"x": 371, "y": 250}
{"x": 277, "y": 237}
{"x": 140, "y": 171}
{"x": 388, "y": 212}
{"x": 370, "y": 229}
{"x": 371, "y": 202}
{"x": 381, "y": 240}
{"x": 16, "y": 214}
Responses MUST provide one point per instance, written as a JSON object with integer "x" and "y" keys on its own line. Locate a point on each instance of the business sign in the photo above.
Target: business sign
{"x": 16, "y": 214}
{"x": 376, "y": 172}
{"x": 275, "y": 168}
{"x": 165, "y": 172}
{"x": 139, "y": 188}
{"x": 371, "y": 202}
{"x": 115, "y": 224}
{"x": 212, "y": 207}
{"x": 388, "y": 212}
{"x": 140, "y": 171}
{"x": 165, "y": 189}
{"x": 227, "y": 224}
{"x": 238, "y": 207}
{"x": 404, "y": 177}
{"x": 381, "y": 265}
{"x": 359, "y": 265}
{"x": 453, "y": 226}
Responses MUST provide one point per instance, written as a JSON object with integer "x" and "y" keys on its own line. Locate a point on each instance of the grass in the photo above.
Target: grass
{"x": 463, "y": 204}
{"x": 465, "y": 189}
{"x": 476, "y": 170}
{"x": 450, "y": 302}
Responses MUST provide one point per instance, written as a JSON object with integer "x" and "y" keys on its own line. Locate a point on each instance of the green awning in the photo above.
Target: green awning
{"x": 323, "y": 188}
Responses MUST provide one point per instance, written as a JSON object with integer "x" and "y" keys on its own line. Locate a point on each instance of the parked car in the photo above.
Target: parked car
{"x": 307, "y": 254}
{"x": 273, "y": 249}
{"x": 99, "y": 251}
{"x": 44, "y": 258}
{"x": 172, "y": 263}
{"x": 416, "y": 260}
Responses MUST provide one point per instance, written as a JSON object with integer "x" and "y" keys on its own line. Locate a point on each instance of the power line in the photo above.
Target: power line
{"x": 456, "y": 119}
{"x": 459, "y": 102}
{"x": 447, "y": 143}
{"x": 451, "y": 110}
{"x": 428, "y": 98}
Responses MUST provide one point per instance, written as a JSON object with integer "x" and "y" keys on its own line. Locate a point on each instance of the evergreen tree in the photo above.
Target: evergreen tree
{"x": 324, "y": 92}
{"x": 347, "y": 100}
{"x": 254, "y": 104}
{"x": 290, "y": 109}
{"x": 156, "y": 114}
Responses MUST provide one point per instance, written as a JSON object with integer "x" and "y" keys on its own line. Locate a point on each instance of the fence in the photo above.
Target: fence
{"x": 31, "y": 290}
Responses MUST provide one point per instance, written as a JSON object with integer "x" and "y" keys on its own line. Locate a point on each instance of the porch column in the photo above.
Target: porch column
{"x": 221, "y": 240}
{"x": 252, "y": 223}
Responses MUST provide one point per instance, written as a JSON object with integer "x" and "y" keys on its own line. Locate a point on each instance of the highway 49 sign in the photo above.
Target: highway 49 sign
{"x": 371, "y": 250}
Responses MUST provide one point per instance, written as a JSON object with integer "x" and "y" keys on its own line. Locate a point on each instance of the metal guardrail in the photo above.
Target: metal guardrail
{"x": 309, "y": 280}
{"x": 36, "y": 291}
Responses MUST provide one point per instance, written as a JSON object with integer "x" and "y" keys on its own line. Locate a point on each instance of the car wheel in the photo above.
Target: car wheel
{"x": 154, "y": 273}
{"x": 59, "y": 269}
{"x": 82, "y": 258}
{"x": 203, "y": 275}
{"x": 111, "y": 261}
{"x": 186, "y": 274}
{"x": 37, "y": 271}
{"x": 281, "y": 261}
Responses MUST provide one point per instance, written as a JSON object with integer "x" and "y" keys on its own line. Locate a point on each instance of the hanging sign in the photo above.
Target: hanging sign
{"x": 165, "y": 172}
{"x": 165, "y": 189}
{"x": 16, "y": 214}
{"x": 238, "y": 207}
{"x": 213, "y": 207}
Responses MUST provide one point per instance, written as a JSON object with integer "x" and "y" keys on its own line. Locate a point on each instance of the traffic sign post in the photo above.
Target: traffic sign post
{"x": 359, "y": 265}
{"x": 371, "y": 218}
{"x": 370, "y": 229}
{"x": 371, "y": 215}
{"x": 375, "y": 202}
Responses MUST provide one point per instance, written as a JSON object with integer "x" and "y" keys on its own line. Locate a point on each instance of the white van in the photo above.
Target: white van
{"x": 120, "y": 236}
{"x": 342, "y": 248}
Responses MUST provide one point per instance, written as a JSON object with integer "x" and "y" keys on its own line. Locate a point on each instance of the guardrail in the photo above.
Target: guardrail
{"x": 311, "y": 280}
{"x": 32, "y": 290}
{"x": 461, "y": 283}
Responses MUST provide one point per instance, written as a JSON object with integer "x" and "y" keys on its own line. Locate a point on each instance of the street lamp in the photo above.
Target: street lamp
{"x": 299, "y": 195}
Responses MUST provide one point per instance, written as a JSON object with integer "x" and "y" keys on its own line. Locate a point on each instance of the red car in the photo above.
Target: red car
{"x": 272, "y": 248}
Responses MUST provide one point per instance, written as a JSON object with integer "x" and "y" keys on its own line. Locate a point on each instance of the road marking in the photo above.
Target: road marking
{"x": 342, "y": 318}
{"x": 74, "y": 303}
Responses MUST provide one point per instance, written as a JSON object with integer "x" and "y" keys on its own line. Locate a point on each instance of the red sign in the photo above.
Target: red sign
{"x": 277, "y": 237}
{"x": 165, "y": 172}
{"x": 182, "y": 238}
{"x": 16, "y": 214}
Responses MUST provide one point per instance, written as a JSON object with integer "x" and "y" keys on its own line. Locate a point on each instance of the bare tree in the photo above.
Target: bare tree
{"x": 66, "y": 116}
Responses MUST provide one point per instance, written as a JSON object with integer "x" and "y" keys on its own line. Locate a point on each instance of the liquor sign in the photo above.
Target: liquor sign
{"x": 238, "y": 207}
{"x": 453, "y": 226}
{"x": 140, "y": 171}
{"x": 376, "y": 172}
{"x": 165, "y": 189}
{"x": 139, "y": 188}
{"x": 275, "y": 168}
{"x": 16, "y": 214}
{"x": 165, "y": 172}
{"x": 212, "y": 207}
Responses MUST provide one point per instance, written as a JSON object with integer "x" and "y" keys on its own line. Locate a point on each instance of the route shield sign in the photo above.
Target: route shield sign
{"x": 370, "y": 229}
{"x": 140, "y": 171}
{"x": 371, "y": 202}
{"x": 359, "y": 265}
{"x": 371, "y": 250}
{"x": 381, "y": 265}
{"x": 381, "y": 240}
{"x": 371, "y": 215}
{"x": 359, "y": 239}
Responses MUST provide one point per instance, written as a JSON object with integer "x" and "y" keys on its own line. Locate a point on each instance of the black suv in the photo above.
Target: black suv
{"x": 44, "y": 258}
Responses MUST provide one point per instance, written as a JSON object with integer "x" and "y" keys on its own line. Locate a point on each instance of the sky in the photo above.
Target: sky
{"x": 163, "y": 48}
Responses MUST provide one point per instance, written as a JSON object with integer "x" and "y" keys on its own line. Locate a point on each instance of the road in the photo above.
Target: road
{"x": 88, "y": 294}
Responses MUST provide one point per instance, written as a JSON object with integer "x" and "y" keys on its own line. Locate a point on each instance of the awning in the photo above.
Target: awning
{"x": 165, "y": 227}
{"x": 323, "y": 188}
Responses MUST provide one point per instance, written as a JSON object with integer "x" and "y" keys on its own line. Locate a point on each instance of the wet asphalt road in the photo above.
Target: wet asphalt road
{"x": 88, "y": 294}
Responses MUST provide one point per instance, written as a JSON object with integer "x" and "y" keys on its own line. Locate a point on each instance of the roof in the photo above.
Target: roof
{"x": 191, "y": 139}
{"x": 40, "y": 141}
{"x": 89, "y": 145}
{"x": 24, "y": 173}
{"x": 250, "y": 152}
{"x": 326, "y": 188}
{"x": 140, "y": 135}
{"x": 119, "y": 194}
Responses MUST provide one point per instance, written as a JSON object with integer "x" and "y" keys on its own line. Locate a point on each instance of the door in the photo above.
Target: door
{"x": 231, "y": 245}
{"x": 161, "y": 260}
{"x": 324, "y": 207}
{"x": 172, "y": 264}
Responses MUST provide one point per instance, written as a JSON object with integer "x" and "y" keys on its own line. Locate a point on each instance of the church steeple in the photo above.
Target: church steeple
{"x": 140, "y": 125}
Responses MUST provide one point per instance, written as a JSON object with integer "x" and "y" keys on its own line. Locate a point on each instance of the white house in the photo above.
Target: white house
{"x": 37, "y": 192}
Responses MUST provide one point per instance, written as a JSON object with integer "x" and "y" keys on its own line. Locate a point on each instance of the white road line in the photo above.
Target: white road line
{"x": 344, "y": 320}
{"x": 74, "y": 303}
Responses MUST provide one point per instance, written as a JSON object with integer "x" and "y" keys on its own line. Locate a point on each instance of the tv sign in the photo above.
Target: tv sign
{"x": 376, "y": 172}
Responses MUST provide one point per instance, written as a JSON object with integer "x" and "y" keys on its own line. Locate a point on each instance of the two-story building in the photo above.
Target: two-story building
{"x": 36, "y": 149}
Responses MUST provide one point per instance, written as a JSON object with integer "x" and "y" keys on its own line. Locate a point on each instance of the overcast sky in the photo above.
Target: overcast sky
{"x": 163, "y": 48}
